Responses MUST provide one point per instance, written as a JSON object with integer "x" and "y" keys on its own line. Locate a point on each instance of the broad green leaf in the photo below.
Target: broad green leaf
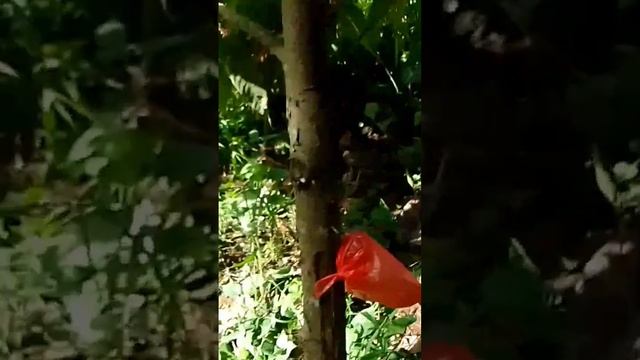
{"x": 257, "y": 94}
{"x": 104, "y": 226}
{"x": 93, "y": 165}
{"x": 83, "y": 146}
{"x": 63, "y": 113}
{"x": 371, "y": 110}
{"x": 624, "y": 171}
{"x": 131, "y": 154}
{"x": 72, "y": 90}
{"x": 404, "y": 321}
{"x": 34, "y": 195}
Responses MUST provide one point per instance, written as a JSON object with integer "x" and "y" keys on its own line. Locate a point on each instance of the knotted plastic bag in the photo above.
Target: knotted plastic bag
{"x": 371, "y": 273}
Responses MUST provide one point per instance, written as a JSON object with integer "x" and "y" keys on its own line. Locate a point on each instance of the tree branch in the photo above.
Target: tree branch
{"x": 266, "y": 37}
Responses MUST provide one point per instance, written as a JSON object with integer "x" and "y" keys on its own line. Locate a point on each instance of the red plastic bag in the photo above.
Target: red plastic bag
{"x": 371, "y": 273}
{"x": 443, "y": 351}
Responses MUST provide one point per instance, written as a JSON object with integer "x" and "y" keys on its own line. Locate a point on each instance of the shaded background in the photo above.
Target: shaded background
{"x": 530, "y": 148}
{"x": 108, "y": 207}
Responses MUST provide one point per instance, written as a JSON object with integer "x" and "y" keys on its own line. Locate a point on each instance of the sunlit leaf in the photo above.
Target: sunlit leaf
{"x": 604, "y": 180}
{"x": 93, "y": 165}
{"x": 624, "y": 171}
{"x": 7, "y": 70}
{"x": 111, "y": 40}
{"x": 84, "y": 147}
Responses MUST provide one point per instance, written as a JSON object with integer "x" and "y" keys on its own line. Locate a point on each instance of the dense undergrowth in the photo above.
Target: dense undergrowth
{"x": 106, "y": 248}
{"x": 374, "y": 60}
{"x": 261, "y": 298}
{"x": 260, "y": 288}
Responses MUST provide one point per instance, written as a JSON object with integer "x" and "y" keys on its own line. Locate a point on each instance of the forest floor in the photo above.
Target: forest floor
{"x": 260, "y": 304}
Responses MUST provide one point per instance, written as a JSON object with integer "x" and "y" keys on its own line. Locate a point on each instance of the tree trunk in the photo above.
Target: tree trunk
{"x": 314, "y": 155}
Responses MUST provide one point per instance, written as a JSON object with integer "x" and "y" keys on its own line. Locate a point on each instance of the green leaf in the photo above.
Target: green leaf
{"x": 375, "y": 355}
{"x": 624, "y": 171}
{"x": 378, "y": 11}
{"x": 76, "y": 106}
{"x": 7, "y": 70}
{"x": 34, "y": 195}
{"x": 604, "y": 180}
{"x": 93, "y": 165}
{"x": 404, "y": 321}
{"x": 64, "y": 114}
{"x": 106, "y": 322}
{"x": 351, "y": 21}
{"x": 371, "y": 110}
{"x": 49, "y": 122}
{"x": 257, "y": 94}
{"x": 131, "y": 155}
{"x": 104, "y": 225}
{"x": 515, "y": 298}
{"x": 72, "y": 90}
{"x": 83, "y": 146}
{"x": 392, "y": 330}
{"x": 48, "y": 98}
{"x": 111, "y": 39}
{"x": 382, "y": 219}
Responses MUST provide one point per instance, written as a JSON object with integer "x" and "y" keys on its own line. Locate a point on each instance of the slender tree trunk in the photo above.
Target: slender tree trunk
{"x": 314, "y": 155}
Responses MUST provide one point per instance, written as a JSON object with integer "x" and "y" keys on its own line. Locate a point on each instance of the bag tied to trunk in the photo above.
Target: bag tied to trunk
{"x": 371, "y": 273}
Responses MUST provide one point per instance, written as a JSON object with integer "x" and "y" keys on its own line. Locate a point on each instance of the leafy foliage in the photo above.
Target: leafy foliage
{"x": 375, "y": 61}
{"x": 102, "y": 234}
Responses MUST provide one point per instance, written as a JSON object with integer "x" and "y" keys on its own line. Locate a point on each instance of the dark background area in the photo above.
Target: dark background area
{"x": 108, "y": 174}
{"x": 528, "y": 127}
